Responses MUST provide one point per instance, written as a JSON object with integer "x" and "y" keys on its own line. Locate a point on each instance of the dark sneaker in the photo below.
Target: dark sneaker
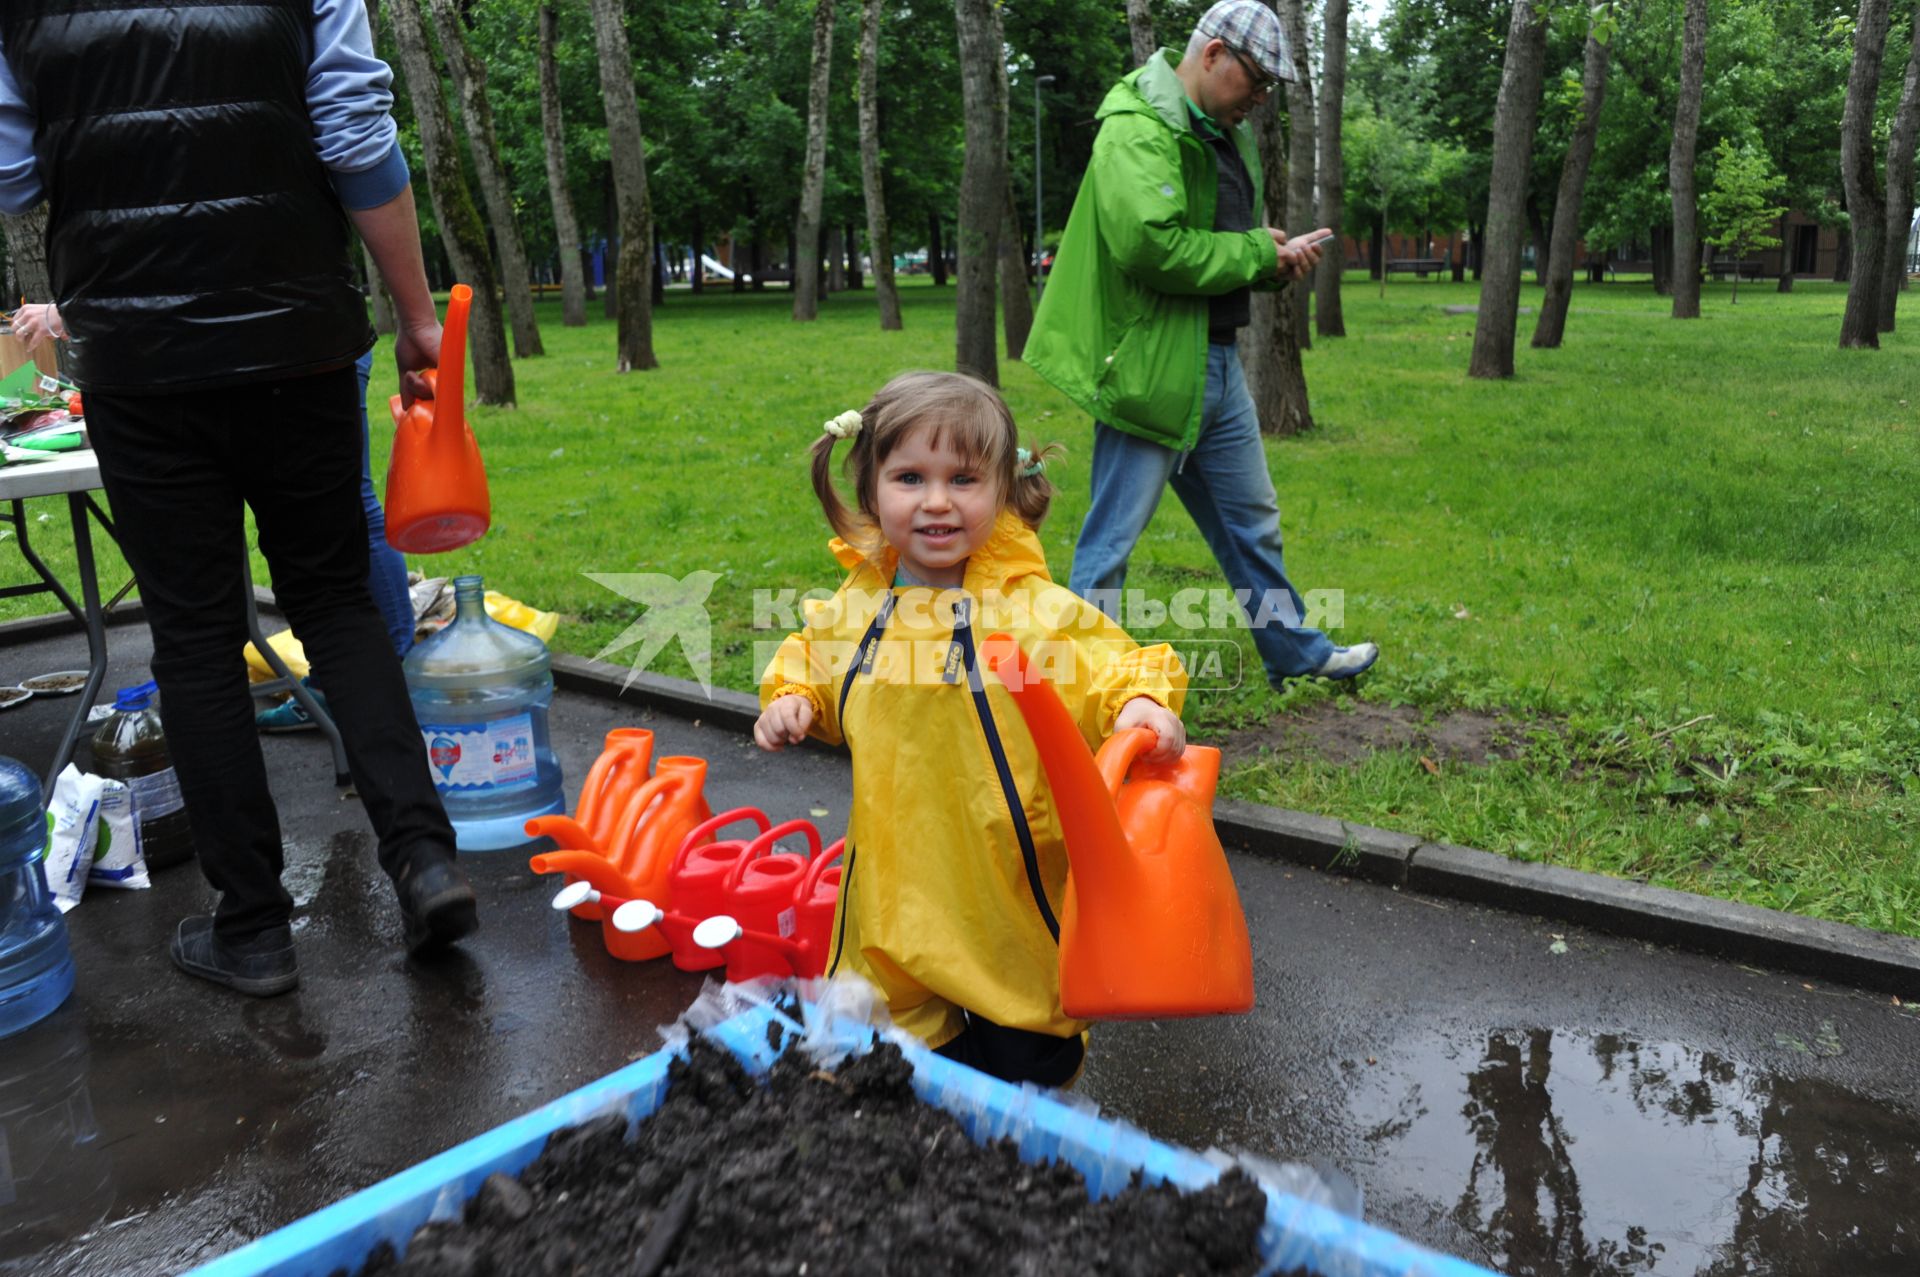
{"x": 437, "y": 902}
{"x": 260, "y": 967}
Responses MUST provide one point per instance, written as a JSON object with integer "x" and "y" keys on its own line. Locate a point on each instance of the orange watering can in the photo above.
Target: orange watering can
{"x": 436, "y": 487}
{"x": 1151, "y": 926}
{"x": 620, "y": 769}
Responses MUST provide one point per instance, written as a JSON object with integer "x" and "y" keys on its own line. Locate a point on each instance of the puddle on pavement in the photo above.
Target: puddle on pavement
{"x": 1574, "y": 1154}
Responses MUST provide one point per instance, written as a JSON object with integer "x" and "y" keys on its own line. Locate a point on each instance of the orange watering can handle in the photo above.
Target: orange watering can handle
{"x": 815, "y": 871}
{"x": 1119, "y": 753}
{"x": 764, "y": 843}
{"x": 699, "y": 837}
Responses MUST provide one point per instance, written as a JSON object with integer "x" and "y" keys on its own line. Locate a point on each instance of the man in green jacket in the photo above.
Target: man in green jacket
{"x": 1151, "y": 283}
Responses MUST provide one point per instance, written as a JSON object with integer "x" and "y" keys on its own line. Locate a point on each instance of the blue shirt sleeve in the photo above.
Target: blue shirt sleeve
{"x": 350, "y": 102}
{"x": 19, "y": 167}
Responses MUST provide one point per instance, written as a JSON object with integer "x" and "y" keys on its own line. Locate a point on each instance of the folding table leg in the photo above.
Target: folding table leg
{"x": 301, "y": 692}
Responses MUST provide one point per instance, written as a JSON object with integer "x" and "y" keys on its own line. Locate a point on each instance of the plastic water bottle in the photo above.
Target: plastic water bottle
{"x": 480, "y": 692}
{"x": 36, "y": 970}
{"x": 130, "y": 745}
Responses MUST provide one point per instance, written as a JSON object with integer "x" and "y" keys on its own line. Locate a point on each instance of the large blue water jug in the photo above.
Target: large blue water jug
{"x": 36, "y": 970}
{"x": 480, "y": 691}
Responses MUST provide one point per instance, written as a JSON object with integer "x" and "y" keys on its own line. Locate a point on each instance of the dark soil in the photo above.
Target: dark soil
{"x": 817, "y": 1173}
{"x": 1334, "y": 734}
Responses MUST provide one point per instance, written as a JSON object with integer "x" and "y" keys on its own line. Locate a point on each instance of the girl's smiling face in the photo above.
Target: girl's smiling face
{"x": 934, "y": 506}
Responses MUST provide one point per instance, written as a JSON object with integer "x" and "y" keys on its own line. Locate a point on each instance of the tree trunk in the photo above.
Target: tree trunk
{"x": 983, "y": 180}
{"x": 1660, "y": 245}
{"x": 377, "y": 294}
{"x": 1140, "y": 27}
{"x": 879, "y": 231}
{"x": 657, "y": 280}
{"x": 461, "y": 233}
{"x": 1680, "y": 175}
{"x": 1786, "y": 256}
{"x": 1333, "y": 174}
{"x": 1300, "y": 184}
{"x": 936, "y": 252}
{"x": 851, "y": 240}
{"x": 1477, "y": 249}
{"x": 1514, "y": 118}
{"x": 1552, "y": 325}
{"x": 1866, "y": 202}
{"x": 27, "y": 254}
{"x": 1376, "y": 250}
{"x": 586, "y": 274}
{"x": 696, "y": 260}
{"x": 1842, "y": 256}
{"x": 496, "y": 192}
{"x": 1542, "y": 245}
{"x": 813, "y": 172}
{"x": 1269, "y": 345}
{"x": 836, "y": 261}
{"x": 566, "y": 227}
{"x": 1900, "y": 144}
{"x": 1015, "y": 300}
{"x": 628, "y": 152}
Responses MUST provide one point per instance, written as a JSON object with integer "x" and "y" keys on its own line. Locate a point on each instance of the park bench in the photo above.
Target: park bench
{"x": 1416, "y": 266}
{"x": 1746, "y": 270}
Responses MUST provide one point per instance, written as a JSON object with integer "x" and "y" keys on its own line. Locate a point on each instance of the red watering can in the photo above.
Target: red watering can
{"x": 436, "y": 487}
{"x": 1151, "y": 926}
{"x": 814, "y": 904}
{"x": 698, "y": 882}
{"x": 620, "y": 769}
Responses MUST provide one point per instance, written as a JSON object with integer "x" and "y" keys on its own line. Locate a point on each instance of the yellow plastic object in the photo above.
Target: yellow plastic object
{"x": 522, "y": 617}
{"x": 290, "y": 650}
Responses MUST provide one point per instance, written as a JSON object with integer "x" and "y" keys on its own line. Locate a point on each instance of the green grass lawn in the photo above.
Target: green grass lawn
{"x": 1680, "y": 555}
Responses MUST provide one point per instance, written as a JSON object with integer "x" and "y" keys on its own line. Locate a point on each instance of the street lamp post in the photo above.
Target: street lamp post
{"x": 1039, "y": 230}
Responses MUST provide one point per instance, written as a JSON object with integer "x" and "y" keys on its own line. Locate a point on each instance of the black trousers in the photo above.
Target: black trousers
{"x": 1015, "y": 1055}
{"x": 178, "y": 468}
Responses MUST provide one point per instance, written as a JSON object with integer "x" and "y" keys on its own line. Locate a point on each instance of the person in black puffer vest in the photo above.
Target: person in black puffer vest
{"x": 204, "y": 164}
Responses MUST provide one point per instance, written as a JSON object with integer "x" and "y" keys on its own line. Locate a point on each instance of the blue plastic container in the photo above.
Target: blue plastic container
{"x": 1297, "y": 1233}
{"x": 36, "y": 970}
{"x": 480, "y": 692}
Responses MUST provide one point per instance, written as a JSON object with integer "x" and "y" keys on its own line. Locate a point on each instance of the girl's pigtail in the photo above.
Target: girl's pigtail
{"x": 1032, "y": 491}
{"x": 846, "y": 525}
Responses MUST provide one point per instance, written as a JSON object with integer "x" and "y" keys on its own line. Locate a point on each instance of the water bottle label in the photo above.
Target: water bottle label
{"x": 156, "y": 795}
{"x": 478, "y": 755}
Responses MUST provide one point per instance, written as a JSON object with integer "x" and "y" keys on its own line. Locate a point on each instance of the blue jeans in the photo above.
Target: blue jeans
{"x": 1225, "y": 486}
{"x": 386, "y": 566}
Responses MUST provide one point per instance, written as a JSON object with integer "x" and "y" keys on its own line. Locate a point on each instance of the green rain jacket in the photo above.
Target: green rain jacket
{"x": 1122, "y": 326}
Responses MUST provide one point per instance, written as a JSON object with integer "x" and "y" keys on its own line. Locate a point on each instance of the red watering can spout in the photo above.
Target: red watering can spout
{"x": 1151, "y": 926}
{"x": 436, "y": 486}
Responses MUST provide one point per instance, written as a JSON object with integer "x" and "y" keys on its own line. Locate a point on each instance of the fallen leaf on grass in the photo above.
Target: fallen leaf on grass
{"x": 1432, "y": 767}
{"x": 1460, "y": 612}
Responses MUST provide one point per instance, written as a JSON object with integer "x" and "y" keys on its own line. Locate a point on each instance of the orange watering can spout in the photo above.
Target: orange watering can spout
{"x": 436, "y": 486}
{"x": 1151, "y": 926}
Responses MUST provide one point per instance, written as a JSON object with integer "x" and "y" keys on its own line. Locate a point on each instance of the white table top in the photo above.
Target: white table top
{"x": 66, "y": 472}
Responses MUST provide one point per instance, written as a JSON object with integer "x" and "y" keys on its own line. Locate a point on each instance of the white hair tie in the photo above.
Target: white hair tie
{"x": 844, "y": 426}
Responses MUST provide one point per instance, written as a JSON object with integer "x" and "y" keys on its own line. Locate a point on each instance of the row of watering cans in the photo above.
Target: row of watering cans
{"x": 641, "y": 858}
{"x": 1150, "y": 927}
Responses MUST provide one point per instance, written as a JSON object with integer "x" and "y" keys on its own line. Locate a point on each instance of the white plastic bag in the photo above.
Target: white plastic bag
{"x": 118, "y": 860}
{"x": 72, "y": 818}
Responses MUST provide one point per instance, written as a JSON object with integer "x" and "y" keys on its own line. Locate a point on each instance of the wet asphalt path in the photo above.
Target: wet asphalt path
{"x": 1616, "y": 1107}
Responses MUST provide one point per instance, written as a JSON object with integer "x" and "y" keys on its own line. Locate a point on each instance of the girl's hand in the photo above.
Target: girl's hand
{"x": 783, "y": 723}
{"x": 1144, "y": 711}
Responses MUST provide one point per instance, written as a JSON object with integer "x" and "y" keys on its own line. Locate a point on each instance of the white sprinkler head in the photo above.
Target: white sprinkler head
{"x": 717, "y": 932}
{"x": 575, "y": 894}
{"x": 636, "y": 915}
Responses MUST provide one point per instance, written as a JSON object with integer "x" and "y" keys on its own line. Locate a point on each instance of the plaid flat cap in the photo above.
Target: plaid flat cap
{"x": 1254, "y": 29}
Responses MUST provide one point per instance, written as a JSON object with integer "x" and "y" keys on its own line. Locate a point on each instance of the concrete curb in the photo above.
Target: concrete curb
{"x": 1744, "y": 933}
{"x": 29, "y": 629}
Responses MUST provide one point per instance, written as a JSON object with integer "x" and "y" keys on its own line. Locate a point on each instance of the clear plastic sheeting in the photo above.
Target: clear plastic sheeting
{"x": 1305, "y": 1226}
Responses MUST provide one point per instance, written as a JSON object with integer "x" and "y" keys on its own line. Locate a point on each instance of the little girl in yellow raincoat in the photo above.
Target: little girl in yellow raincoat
{"x": 955, "y": 862}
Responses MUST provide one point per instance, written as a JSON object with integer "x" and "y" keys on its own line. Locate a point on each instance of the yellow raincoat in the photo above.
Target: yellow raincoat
{"x": 955, "y": 865}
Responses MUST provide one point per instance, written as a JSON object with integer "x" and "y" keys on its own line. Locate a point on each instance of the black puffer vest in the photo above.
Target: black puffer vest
{"x": 193, "y": 236}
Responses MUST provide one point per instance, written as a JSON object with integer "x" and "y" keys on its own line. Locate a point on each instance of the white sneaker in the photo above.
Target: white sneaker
{"x": 1349, "y": 661}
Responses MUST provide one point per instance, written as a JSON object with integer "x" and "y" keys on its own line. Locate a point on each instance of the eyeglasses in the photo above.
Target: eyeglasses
{"x": 1262, "y": 82}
